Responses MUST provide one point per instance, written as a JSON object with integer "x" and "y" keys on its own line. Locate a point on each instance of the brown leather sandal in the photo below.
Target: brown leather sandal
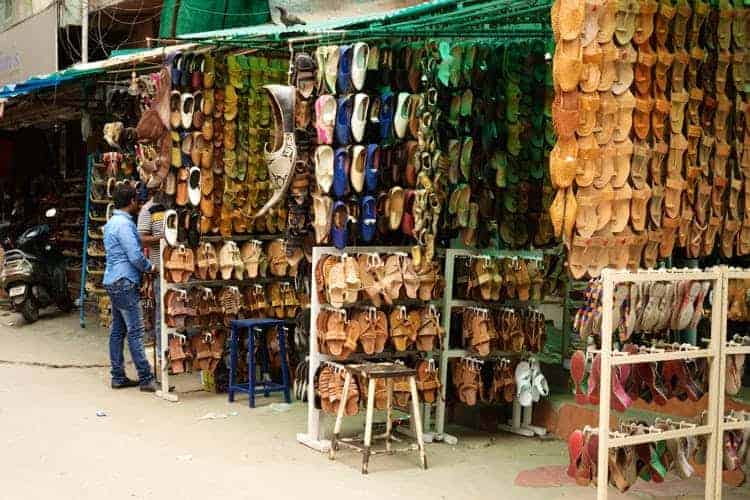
{"x": 606, "y": 118}
{"x": 709, "y": 237}
{"x": 728, "y": 237}
{"x": 669, "y": 227}
{"x": 683, "y": 231}
{"x": 638, "y": 206}
{"x": 659, "y": 154}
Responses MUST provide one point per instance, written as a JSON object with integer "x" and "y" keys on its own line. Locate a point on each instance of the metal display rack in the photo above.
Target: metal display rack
{"x": 315, "y": 435}
{"x": 727, "y": 422}
{"x": 710, "y": 428}
{"x": 520, "y": 423}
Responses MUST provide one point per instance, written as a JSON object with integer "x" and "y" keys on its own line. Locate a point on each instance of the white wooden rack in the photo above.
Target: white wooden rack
{"x": 520, "y": 423}
{"x": 610, "y": 358}
{"x": 728, "y": 421}
{"x": 166, "y": 331}
{"x": 316, "y": 436}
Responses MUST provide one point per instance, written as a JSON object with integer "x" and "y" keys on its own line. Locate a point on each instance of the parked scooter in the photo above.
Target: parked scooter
{"x": 33, "y": 273}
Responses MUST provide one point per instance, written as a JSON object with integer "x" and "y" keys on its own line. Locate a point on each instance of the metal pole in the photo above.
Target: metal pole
{"x": 85, "y": 250}
{"x": 84, "y": 31}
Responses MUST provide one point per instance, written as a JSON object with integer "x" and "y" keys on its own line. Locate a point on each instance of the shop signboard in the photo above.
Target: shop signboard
{"x": 29, "y": 48}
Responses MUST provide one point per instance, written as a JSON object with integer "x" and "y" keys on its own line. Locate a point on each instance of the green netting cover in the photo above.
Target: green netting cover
{"x": 194, "y": 16}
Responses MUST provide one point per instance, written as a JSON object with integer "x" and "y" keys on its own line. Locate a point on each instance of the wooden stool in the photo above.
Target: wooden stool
{"x": 373, "y": 371}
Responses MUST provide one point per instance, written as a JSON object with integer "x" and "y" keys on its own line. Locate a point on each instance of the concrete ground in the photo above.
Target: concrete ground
{"x": 53, "y": 379}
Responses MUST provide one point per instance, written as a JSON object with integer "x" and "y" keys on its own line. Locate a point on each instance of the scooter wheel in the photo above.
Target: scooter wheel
{"x": 30, "y": 310}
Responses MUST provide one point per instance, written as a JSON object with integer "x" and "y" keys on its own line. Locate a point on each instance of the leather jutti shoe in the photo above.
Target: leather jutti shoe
{"x": 282, "y": 157}
{"x": 325, "y": 118}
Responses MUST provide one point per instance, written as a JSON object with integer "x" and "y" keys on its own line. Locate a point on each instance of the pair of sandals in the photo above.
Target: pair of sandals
{"x": 736, "y": 366}
{"x": 341, "y": 336}
{"x": 179, "y": 264}
{"x": 531, "y": 384}
{"x": 340, "y": 279}
{"x": 284, "y": 302}
{"x": 330, "y": 388}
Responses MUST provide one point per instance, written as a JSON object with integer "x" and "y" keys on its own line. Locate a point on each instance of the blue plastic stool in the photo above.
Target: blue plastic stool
{"x": 254, "y": 387}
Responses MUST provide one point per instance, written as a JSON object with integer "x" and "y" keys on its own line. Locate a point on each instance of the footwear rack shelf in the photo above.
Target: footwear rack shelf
{"x": 609, "y": 439}
{"x": 727, "y": 422}
{"x": 315, "y": 437}
{"x": 520, "y": 422}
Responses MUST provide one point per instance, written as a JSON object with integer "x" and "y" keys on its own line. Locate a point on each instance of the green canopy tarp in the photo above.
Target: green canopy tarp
{"x": 195, "y": 16}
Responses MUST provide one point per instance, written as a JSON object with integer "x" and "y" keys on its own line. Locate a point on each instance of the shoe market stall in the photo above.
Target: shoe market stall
{"x": 384, "y": 149}
{"x": 649, "y": 111}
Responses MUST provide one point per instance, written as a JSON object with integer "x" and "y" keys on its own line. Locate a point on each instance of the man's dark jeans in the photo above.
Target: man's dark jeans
{"x": 127, "y": 320}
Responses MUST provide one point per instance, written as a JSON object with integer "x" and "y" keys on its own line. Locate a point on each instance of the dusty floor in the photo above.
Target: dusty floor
{"x": 53, "y": 379}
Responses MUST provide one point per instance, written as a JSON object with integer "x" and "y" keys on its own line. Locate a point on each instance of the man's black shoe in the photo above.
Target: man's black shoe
{"x": 123, "y": 385}
{"x": 150, "y": 387}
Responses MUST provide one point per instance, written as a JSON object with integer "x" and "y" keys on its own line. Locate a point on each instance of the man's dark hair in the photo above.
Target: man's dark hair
{"x": 123, "y": 195}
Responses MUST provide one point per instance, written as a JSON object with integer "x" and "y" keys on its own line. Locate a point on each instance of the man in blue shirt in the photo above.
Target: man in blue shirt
{"x": 122, "y": 279}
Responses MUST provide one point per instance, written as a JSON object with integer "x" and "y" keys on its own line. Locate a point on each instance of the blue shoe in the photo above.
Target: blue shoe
{"x": 368, "y": 223}
{"x": 343, "y": 130}
{"x": 340, "y": 224}
{"x": 174, "y": 62}
{"x": 372, "y": 164}
{"x": 386, "y": 116}
{"x": 344, "y": 78}
{"x": 186, "y": 76}
{"x": 341, "y": 172}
